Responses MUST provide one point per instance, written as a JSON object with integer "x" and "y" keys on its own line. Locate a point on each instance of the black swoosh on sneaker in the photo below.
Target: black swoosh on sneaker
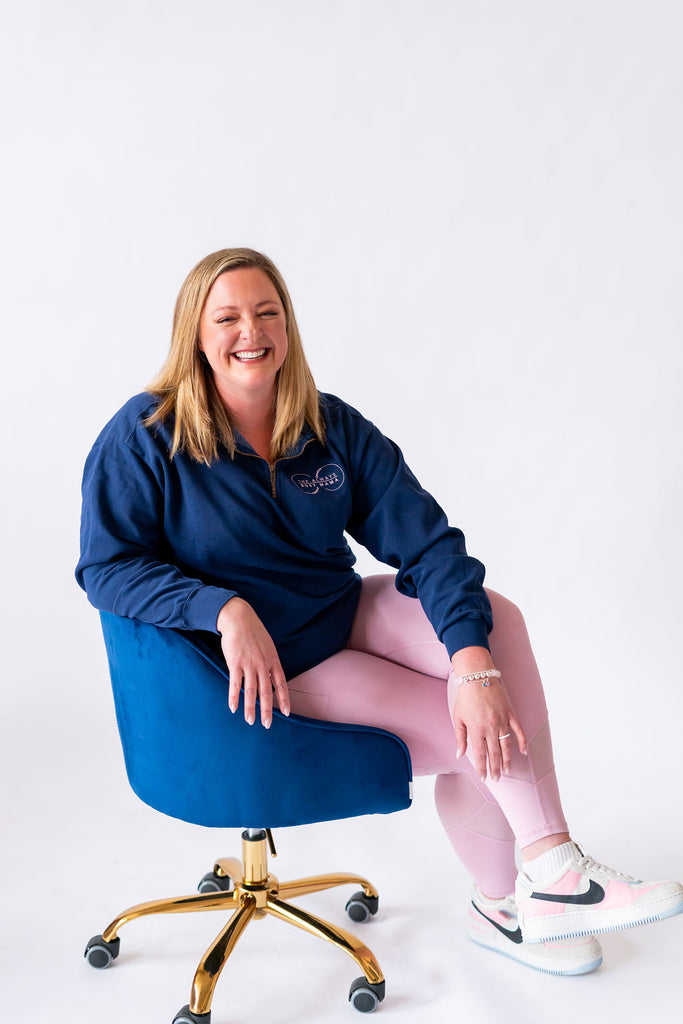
{"x": 515, "y": 936}
{"x": 594, "y": 894}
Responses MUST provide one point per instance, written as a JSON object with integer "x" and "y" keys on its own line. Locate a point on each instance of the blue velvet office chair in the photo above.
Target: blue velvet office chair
{"x": 188, "y": 756}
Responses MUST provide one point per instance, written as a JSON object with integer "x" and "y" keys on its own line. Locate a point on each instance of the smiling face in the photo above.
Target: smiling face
{"x": 243, "y": 334}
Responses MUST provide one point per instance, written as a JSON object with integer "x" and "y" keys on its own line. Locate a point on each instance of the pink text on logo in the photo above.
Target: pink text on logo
{"x": 327, "y": 478}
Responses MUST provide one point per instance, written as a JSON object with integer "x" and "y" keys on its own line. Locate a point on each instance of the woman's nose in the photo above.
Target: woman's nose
{"x": 250, "y": 328}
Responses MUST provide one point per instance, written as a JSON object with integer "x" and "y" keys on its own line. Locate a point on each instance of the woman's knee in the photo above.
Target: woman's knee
{"x": 506, "y": 614}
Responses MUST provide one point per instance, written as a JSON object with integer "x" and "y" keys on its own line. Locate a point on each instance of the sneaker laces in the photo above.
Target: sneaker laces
{"x": 591, "y": 866}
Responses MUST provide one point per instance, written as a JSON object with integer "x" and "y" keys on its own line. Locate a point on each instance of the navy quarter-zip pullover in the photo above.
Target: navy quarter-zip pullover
{"x": 169, "y": 541}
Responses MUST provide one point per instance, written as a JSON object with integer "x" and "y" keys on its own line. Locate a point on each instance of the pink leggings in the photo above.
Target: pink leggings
{"x": 394, "y": 673}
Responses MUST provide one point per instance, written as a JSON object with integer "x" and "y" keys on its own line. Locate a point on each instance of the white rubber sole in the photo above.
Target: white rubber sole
{"x": 568, "y": 926}
{"x": 571, "y": 957}
{"x": 547, "y": 967}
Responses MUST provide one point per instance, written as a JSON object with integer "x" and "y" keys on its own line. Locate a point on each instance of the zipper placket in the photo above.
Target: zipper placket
{"x": 272, "y": 466}
{"x": 285, "y": 458}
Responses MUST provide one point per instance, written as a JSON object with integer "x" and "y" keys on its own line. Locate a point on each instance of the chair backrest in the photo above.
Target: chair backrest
{"x": 188, "y": 756}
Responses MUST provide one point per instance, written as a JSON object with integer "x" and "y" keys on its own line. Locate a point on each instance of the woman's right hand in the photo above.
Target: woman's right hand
{"x": 251, "y": 657}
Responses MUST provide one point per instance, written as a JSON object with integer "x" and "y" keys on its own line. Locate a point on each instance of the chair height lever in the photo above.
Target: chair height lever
{"x": 271, "y": 843}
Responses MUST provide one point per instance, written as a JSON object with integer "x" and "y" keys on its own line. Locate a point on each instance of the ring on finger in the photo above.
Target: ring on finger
{"x": 506, "y": 736}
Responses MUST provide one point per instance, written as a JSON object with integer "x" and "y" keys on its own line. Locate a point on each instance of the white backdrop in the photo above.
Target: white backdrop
{"x": 477, "y": 208}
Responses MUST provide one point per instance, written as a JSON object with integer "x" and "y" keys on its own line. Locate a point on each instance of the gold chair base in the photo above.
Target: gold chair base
{"x": 255, "y": 894}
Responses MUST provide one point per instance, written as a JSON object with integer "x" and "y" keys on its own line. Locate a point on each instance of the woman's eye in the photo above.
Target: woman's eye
{"x": 226, "y": 320}
{"x": 268, "y": 312}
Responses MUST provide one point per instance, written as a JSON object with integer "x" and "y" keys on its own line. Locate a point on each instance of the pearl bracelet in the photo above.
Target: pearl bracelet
{"x": 486, "y": 676}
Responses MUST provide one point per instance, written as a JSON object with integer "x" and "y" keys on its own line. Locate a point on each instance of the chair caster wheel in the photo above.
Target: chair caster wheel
{"x": 361, "y": 908}
{"x": 364, "y": 996}
{"x": 99, "y": 953}
{"x": 215, "y": 883}
{"x": 186, "y": 1016}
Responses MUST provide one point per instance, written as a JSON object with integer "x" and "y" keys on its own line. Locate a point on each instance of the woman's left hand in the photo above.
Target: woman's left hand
{"x": 483, "y": 718}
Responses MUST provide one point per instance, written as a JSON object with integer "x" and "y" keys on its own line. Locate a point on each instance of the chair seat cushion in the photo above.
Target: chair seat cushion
{"x": 188, "y": 756}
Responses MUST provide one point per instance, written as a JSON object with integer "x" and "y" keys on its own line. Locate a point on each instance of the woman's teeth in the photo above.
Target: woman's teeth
{"x": 245, "y": 357}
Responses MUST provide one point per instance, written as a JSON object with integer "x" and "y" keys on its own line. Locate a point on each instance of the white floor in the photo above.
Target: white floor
{"x": 80, "y": 847}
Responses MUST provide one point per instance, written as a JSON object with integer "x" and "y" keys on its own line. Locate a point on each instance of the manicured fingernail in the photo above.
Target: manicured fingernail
{"x": 250, "y": 719}
{"x": 233, "y": 708}
{"x": 496, "y": 778}
{"x": 483, "y": 777}
{"x": 458, "y": 752}
{"x": 506, "y": 770}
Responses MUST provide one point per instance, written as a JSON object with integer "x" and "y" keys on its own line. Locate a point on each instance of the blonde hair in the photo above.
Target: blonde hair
{"x": 185, "y": 386}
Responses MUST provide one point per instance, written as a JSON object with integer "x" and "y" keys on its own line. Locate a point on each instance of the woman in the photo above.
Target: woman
{"x": 218, "y": 501}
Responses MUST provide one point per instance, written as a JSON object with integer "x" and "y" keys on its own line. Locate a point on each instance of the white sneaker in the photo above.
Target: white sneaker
{"x": 493, "y": 924}
{"x": 586, "y": 897}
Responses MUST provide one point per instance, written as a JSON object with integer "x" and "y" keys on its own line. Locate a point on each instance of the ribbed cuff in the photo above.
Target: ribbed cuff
{"x": 466, "y": 633}
{"x": 203, "y": 605}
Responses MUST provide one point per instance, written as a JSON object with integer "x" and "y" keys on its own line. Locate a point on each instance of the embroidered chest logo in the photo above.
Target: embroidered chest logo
{"x": 327, "y": 478}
